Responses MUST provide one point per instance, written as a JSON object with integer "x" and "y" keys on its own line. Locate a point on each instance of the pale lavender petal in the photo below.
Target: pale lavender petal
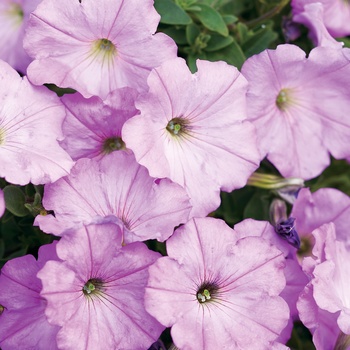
{"x": 121, "y": 187}
{"x": 30, "y": 125}
{"x": 215, "y": 137}
{"x": 23, "y": 324}
{"x": 68, "y": 50}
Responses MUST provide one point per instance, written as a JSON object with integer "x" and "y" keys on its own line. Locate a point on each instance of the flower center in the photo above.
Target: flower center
{"x": 93, "y": 286}
{"x": 283, "y": 99}
{"x": 2, "y": 308}
{"x": 306, "y": 245}
{"x": 2, "y": 136}
{"x": 178, "y": 126}
{"x": 16, "y": 13}
{"x": 113, "y": 144}
{"x": 104, "y": 48}
{"x": 206, "y": 292}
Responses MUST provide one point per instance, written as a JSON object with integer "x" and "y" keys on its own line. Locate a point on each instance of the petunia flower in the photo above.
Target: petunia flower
{"x": 324, "y": 305}
{"x": 192, "y": 129}
{"x": 336, "y": 14}
{"x": 23, "y": 324}
{"x": 312, "y": 210}
{"x": 116, "y": 185}
{"x": 296, "y": 279}
{"x": 14, "y": 16}
{"x": 299, "y": 107}
{"x": 92, "y": 127}
{"x": 96, "y": 292}
{"x": 217, "y": 291}
{"x": 95, "y": 47}
{"x": 30, "y": 125}
{"x": 312, "y": 18}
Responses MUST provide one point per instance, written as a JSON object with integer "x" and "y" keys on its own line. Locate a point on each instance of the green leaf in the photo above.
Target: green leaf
{"x": 15, "y": 200}
{"x": 191, "y": 61}
{"x": 231, "y": 54}
{"x": 211, "y": 19}
{"x": 218, "y": 42}
{"x": 260, "y": 40}
{"x": 230, "y": 19}
{"x": 258, "y": 207}
{"x": 178, "y": 34}
{"x": 171, "y": 13}
{"x": 192, "y": 32}
{"x": 2, "y": 248}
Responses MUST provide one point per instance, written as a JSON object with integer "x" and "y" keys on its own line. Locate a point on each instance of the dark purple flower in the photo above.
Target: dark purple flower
{"x": 286, "y": 229}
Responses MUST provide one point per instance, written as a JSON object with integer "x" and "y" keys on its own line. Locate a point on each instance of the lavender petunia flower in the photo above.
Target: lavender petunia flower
{"x": 96, "y": 292}
{"x": 336, "y": 14}
{"x": 193, "y": 130}
{"x": 95, "y": 47}
{"x": 30, "y": 125}
{"x": 312, "y": 17}
{"x": 23, "y": 324}
{"x": 217, "y": 291}
{"x": 14, "y": 16}
{"x": 299, "y": 107}
{"x": 92, "y": 127}
{"x": 286, "y": 229}
{"x": 116, "y": 185}
{"x": 312, "y": 210}
{"x": 324, "y": 305}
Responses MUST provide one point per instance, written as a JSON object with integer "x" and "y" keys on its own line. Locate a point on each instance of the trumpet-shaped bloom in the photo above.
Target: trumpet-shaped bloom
{"x": 92, "y": 127}
{"x": 30, "y": 125}
{"x": 336, "y": 14}
{"x": 95, "y": 47}
{"x": 312, "y": 210}
{"x": 218, "y": 291}
{"x": 14, "y": 16}
{"x": 23, "y": 324}
{"x": 299, "y": 107}
{"x": 192, "y": 128}
{"x": 312, "y": 17}
{"x": 324, "y": 305}
{"x": 116, "y": 185}
{"x": 96, "y": 293}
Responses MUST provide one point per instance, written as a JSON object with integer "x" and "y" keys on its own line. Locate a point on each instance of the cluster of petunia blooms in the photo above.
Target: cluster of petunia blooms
{"x": 145, "y": 146}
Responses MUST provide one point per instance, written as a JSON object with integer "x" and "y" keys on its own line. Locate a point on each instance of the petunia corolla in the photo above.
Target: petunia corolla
{"x": 217, "y": 291}
{"x": 192, "y": 129}
{"x": 30, "y": 127}
{"x": 299, "y": 107}
{"x": 14, "y": 16}
{"x": 95, "y": 47}
{"x": 96, "y": 292}
{"x": 336, "y": 14}
{"x": 23, "y": 324}
{"x": 115, "y": 185}
{"x": 324, "y": 305}
{"x": 312, "y": 18}
{"x": 92, "y": 127}
{"x": 312, "y": 210}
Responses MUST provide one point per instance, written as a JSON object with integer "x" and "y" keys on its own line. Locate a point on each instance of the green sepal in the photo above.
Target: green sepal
{"x": 171, "y": 13}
